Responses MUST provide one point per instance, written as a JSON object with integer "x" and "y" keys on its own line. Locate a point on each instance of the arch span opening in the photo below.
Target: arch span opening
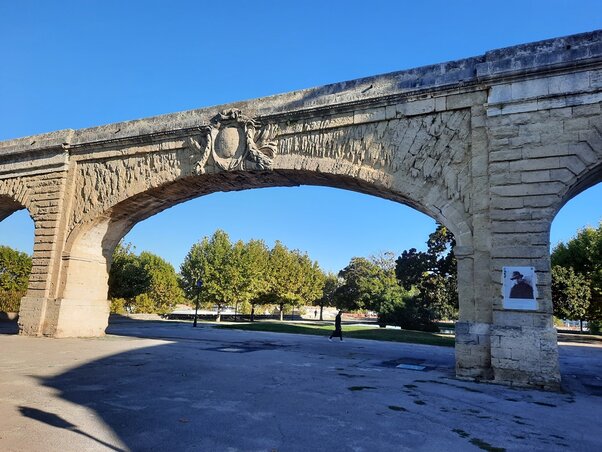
{"x": 90, "y": 246}
{"x": 576, "y": 258}
{"x": 16, "y": 248}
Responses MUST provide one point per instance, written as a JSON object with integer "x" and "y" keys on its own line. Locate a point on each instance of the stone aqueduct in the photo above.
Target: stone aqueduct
{"x": 491, "y": 147}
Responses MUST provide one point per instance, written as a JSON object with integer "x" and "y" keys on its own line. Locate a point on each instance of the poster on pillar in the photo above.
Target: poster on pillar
{"x": 519, "y": 288}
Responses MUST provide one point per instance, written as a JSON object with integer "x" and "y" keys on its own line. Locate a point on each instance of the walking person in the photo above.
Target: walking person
{"x": 338, "y": 332}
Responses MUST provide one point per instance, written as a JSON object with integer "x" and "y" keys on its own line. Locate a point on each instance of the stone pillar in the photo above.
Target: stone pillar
{"x": 66, "y": 295}
{"x": 473, "y": 329}
{"x": 524, "y": 350}
{"x": 82, "y": 310}
{"x": 81, "y": 307}
{"x": 47, "y": 195}
{"x": 473, "y": 356}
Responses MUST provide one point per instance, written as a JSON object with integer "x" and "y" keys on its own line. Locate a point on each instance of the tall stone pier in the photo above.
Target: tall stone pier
{"x": 491, "y": 147}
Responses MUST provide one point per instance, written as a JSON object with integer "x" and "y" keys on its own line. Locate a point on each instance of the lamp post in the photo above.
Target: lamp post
{"x": 199, "y": 284}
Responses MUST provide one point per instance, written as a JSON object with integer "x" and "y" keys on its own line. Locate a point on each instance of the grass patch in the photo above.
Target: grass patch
{"x": 356, "y": 332}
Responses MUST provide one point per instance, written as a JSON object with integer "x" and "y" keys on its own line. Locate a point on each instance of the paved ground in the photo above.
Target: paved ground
{"x": 167, "y": 386}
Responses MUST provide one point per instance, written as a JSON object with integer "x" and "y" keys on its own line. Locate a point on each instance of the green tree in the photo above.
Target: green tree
{"x": 440, "y": 246}
{"x": 215, "y": 262}
{"x": 164, "y": 289}
{"x": 15, "y": 267}
{"x": 250, "y": 274}
{"x": 251, "y": 262}
{"x": 312, "y": 279}
{"x": 411, "y": 267}
{"x": 328, "y": 298}
{"x": 362, "y": 280}
{"x": 571, "y": 294}
{"x": 292, "y": 279}
{"x": 433, "y": 273}
{"x": 583, "y": 253}
{"x": 142, "y": 284}
{"x": 127, "y": 278}
{"x": 255, "y": 264}
{"x": 368, "y": 284}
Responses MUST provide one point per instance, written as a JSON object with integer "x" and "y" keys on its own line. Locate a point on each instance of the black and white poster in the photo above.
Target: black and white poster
{"x": 519, "y": 288}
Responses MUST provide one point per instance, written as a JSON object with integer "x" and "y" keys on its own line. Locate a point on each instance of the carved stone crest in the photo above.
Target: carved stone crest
{"x": 234, "y": 141}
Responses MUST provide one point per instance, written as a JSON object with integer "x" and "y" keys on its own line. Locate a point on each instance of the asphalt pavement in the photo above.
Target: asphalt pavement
{"x": 165, "y": 386}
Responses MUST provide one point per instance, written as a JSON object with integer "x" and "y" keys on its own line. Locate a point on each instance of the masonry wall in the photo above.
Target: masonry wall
{"x": 544, "y": 145}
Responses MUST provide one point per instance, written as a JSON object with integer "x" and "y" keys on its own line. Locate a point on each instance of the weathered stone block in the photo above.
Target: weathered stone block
{"x": 566, "y": 112}
{"x": 500, "y": 94}
{"x": 506, "y": 155}
{"x": 586, "y": 110}
{"x": 575, "y": 124}
{"x": 530, "y": 88}
{"x": 539, "y": 201}
{"x": 564, "y": 84}
{"x": 573, "y": 163}
{"x": 535, "y": 176}
{"x": 535, "y": 164}
{"x": 374, "y": 115}
{"x": 500, "y": 132}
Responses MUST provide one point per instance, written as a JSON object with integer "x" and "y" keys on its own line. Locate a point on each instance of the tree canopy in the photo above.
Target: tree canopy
{"x": 583, "y": 254}
{"x": 571, "y": 293}
{"x": 328, "y": 298}
{"x": 249, "y": 273}
{"x": 433, "y": 273}
{"x": 145, "y": 283}
{"x": 15, "y": 267}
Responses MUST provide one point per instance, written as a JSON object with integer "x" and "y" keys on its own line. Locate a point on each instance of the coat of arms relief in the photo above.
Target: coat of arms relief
{"x": 234, "y": 141}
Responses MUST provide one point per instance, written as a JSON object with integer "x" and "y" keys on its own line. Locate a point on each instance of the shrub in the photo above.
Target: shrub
{"x": 10, "y": 300}
{"x": 595, "y": 326}
{"x": 412, "y": 314}
{"x": 118, "y": 306}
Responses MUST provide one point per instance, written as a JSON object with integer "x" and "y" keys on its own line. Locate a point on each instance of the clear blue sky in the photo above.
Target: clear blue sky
{"x": 74, "y": 64}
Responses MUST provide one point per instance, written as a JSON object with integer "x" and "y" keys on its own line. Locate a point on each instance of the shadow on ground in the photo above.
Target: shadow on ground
{"x": 210, "y": 389}
{"x": 179, "y": 388}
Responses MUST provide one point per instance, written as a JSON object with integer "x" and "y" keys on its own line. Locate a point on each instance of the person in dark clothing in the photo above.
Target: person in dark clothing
{"x": 521, "y": 288}
{"x": 338, "y": 332}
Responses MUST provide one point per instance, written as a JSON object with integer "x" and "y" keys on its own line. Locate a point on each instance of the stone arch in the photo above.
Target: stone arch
{"x": 587, "y": 178}
{"x": 582, "y": 169}
{"x": 14, "y": 196}
{"x": 581, "y": 182}
{"x": 89, "y": 246}
{"x": 582, "y": 166}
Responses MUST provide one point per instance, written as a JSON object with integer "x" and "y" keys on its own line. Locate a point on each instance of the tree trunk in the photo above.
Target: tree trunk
{"x": 252, "y": 313}
{"x": 235, "y": 310}
{"x": 281, "y": 312}
{"x": 321, "y": 309}
{"x": 581, "y": 325}
{"x": 218, "y": 318}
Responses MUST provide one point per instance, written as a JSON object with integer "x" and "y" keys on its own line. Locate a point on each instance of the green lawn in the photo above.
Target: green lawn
{"x": 357, "y": 332}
